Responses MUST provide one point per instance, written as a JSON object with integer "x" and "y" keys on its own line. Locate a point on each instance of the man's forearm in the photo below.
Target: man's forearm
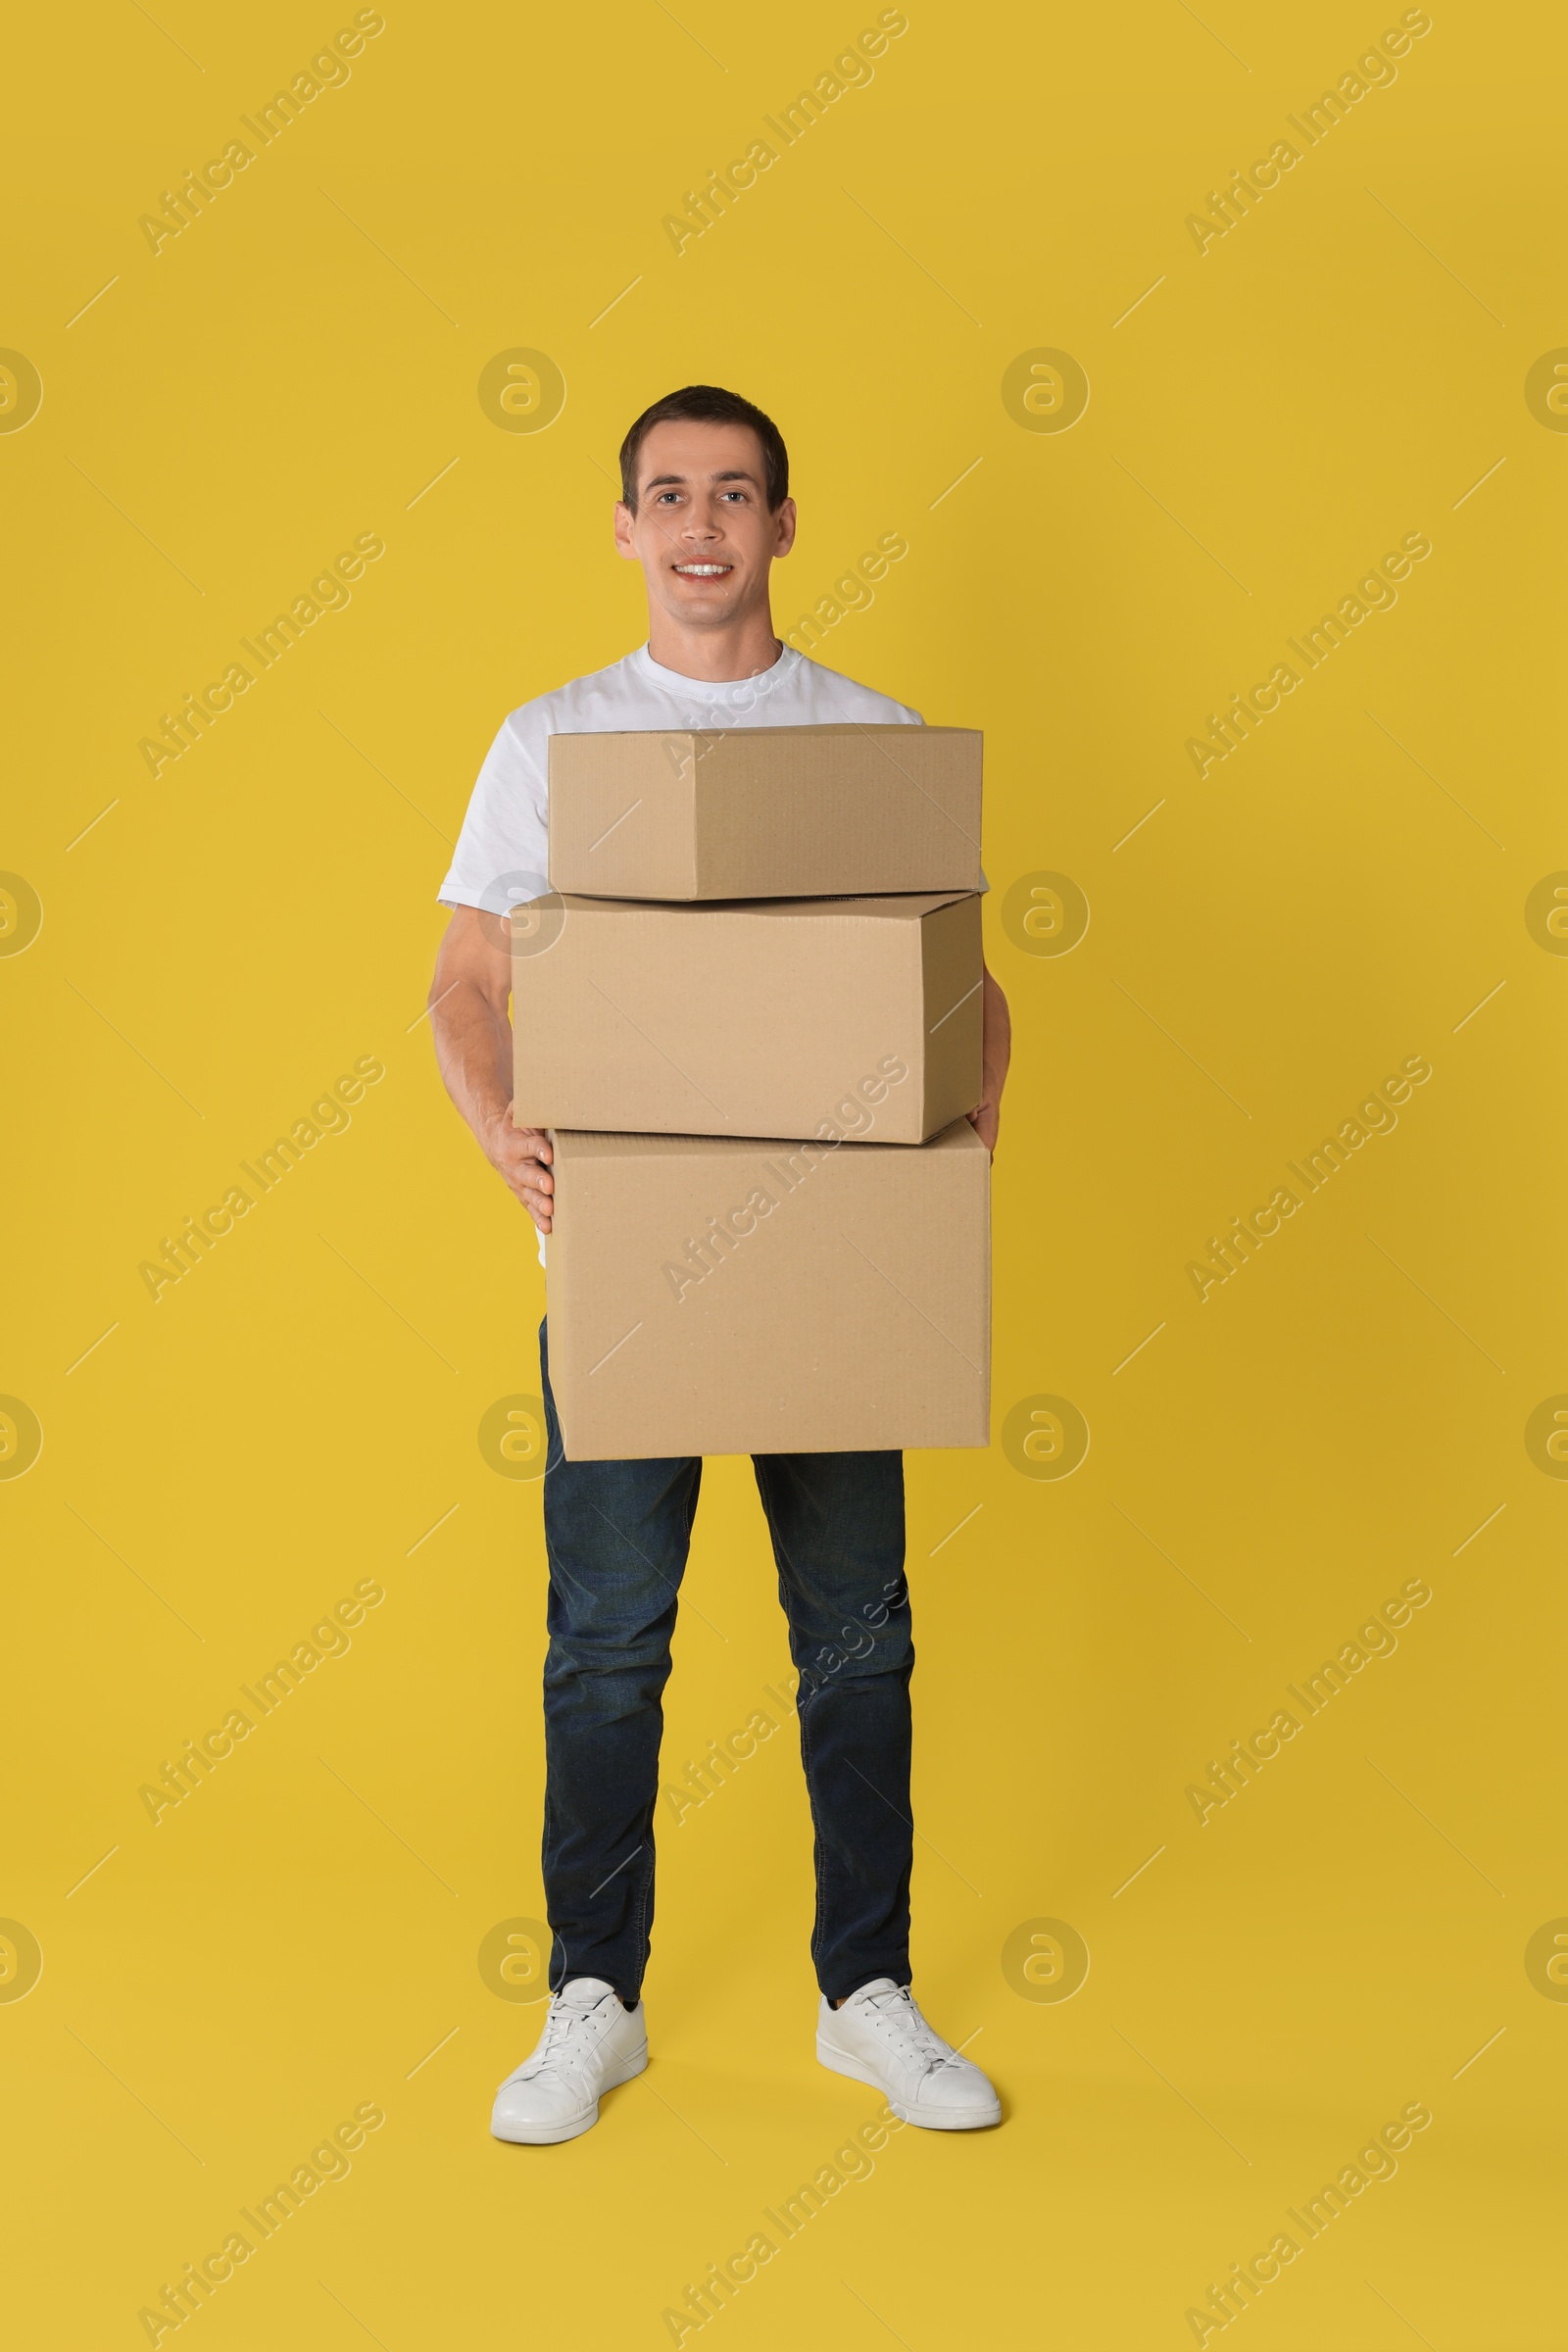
{"x": 468, "y": 1000}
{"x": 473, "y": 1053}
{"x": 995, "y": 1049}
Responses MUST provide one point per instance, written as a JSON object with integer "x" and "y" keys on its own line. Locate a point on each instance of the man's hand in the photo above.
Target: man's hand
{"x": 469, "y": 1000}
{"x": 985, "y": 1119}
{"x": 996, "y": 1052}
{"x": 521, "y": 1157}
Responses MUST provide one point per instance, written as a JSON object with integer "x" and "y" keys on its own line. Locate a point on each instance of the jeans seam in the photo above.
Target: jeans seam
{"x": 645, "y": 1885}
{"x": 817, "y": 1846}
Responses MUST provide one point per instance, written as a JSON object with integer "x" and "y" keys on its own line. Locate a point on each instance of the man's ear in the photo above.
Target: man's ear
{"x": 625, "y": 523}
{"x": 785, "y": 523}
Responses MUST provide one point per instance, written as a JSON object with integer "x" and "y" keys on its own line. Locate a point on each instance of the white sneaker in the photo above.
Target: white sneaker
{"x": 880, "y": 2037}
{"x": 590, "y": 2043}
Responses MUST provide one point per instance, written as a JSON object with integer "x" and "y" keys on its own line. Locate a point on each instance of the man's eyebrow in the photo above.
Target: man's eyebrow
{"x": 732, "y": 473}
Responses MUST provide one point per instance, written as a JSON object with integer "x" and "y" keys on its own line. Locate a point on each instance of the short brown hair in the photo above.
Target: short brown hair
{"x": 708, "y": 404}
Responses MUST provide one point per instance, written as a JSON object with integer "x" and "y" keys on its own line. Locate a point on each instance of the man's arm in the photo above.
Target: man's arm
{"x": 469, "y": 998}
{"x": 995, "y": 1053}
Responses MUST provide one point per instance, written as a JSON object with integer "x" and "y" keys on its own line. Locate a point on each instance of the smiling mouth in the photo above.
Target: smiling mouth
{"x": 703, "y": 571}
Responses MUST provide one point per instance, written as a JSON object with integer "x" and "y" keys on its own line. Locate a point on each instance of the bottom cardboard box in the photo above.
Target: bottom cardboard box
{"x": 713, "y": 1295}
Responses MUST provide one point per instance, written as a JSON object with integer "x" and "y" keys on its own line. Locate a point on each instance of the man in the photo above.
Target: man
{"x": 705, "y": 511}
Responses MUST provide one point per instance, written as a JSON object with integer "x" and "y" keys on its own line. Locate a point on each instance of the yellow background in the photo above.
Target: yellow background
{"x": 293, "y": 1417}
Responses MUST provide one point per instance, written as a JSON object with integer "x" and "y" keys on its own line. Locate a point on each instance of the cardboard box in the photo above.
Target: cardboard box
{"x": 765, "y": 812}
{"x": 709, "y": 1294}
{"x": 770, "y": 1017}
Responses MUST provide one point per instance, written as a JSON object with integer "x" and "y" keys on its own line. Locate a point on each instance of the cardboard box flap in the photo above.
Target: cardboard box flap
{"x": 902, "y": 907}
{"x": 581, "y": 1145}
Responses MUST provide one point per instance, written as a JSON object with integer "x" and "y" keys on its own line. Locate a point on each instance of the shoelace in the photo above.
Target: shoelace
{"x": 900, "y": 2013}
{"x": 559, "y": 2026}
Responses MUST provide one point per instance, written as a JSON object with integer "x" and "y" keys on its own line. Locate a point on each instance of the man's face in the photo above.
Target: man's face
{"x": 702, "y": 532}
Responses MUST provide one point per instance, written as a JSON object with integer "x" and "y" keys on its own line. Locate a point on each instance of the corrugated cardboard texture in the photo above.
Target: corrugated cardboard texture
{"x": 718, "y": 1296}
{"x": 767, "y": 1018}
{"x": 763, "y": 812}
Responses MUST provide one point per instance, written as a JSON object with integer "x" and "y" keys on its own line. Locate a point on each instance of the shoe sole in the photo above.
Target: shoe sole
{"x": 550, "y": 2136}
{"x": 838, "y": 2062}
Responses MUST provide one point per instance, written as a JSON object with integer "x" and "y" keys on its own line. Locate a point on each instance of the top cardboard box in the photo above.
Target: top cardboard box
{"x": 765, "y": 812}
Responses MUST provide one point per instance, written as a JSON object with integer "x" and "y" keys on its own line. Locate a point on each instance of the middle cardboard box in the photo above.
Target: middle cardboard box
{"x": 748, "y": 1017}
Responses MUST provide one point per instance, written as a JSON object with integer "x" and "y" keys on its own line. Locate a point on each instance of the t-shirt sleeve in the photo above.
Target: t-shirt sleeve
{"x": 503, "y": 850}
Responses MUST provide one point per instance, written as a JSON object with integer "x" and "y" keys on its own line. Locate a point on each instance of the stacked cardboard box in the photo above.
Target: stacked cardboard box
{"x": 750, "y": 1013}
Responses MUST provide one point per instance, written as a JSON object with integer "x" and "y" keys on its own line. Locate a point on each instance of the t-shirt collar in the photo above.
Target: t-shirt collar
{"x": 717, "y": 690}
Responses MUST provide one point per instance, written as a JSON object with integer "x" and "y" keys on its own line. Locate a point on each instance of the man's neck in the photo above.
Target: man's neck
{"x": 715, "y": 656}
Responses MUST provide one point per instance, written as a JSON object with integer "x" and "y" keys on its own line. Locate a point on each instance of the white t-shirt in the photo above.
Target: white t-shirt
{"x": 502, "y": 850}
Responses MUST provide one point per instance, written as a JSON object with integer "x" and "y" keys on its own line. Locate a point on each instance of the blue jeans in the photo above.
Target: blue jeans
{"x": 617, "y": 1536}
